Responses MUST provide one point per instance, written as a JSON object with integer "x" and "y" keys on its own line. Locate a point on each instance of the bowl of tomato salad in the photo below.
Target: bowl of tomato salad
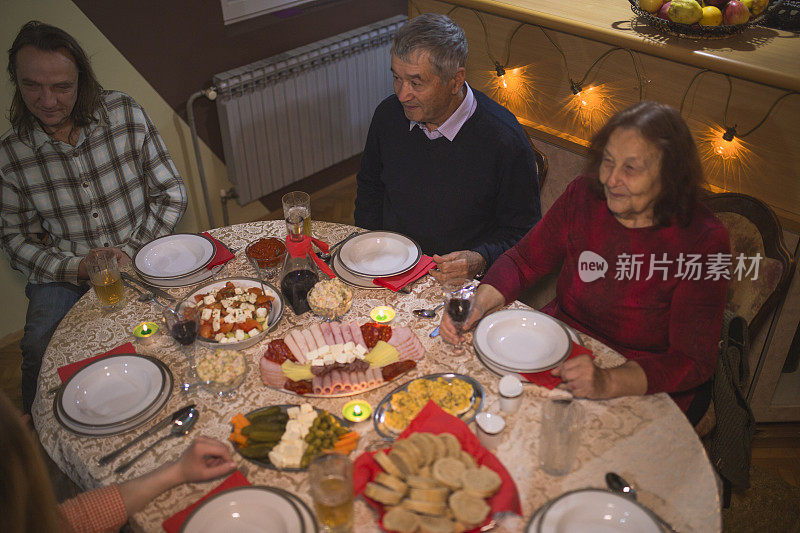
{"x": 236, "y": 313}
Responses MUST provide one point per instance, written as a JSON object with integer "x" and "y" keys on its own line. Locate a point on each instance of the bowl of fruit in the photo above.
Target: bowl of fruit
{"x": 703, "y": 18}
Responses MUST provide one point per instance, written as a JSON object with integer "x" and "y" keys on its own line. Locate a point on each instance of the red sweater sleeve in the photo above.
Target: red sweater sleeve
{"x": 695, "y": 323}
{"x": 540, "y": 252}
{"x": 95, "y": 511}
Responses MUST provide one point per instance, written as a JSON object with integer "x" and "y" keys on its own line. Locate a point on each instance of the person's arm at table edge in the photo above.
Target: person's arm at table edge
{"x": 19, "y": 225}
{"x": 205, "y": 459}
{"x": 167, "y": 198}
{"x": 368, "y": 213}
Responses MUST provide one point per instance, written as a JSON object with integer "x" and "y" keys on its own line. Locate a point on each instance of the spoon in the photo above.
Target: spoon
{"x": 617, "y": 483}
{"x": 180, "y": 427}
{"x": 427, "y": 313}
{"x": 143, "y": 296}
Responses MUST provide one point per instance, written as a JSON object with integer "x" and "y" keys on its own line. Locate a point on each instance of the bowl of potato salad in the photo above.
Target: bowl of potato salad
{"x": 235, "y": 313}
{"x": 330, "y": 299}
{"x": 221, "y": 371}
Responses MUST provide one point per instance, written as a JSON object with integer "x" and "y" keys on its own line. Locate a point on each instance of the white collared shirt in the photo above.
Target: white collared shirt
{"x": 450, "y": 127}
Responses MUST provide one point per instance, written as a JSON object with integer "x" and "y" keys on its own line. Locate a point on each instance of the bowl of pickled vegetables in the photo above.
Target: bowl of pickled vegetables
{"x": 330, "y": 299}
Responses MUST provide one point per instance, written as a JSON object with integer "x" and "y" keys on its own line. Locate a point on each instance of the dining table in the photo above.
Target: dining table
{"x": 645, "y": 439}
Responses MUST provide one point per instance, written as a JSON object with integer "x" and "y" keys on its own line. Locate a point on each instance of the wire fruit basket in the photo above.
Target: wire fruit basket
{"x": 698, "y": 31}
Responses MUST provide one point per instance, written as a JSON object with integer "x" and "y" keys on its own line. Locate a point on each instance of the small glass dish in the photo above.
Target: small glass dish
{"x": 266, "y": 255}
{"x": 221, "y": 372}
{"x": 330, "y": 299}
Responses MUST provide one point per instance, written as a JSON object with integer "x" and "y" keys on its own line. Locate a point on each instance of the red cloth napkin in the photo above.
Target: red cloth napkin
{"x": 432, "y": 419}
{"x": 546, "y": 379}
{"x": 173, "y": 523}
{"x": 65, "y": 372}
{"x": 221, "y": 253}
{"x": 399, "y": 281}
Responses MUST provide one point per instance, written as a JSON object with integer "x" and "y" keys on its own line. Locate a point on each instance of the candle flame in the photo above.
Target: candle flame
{"x": 357, "y": 410}
{"x": 145, "y": 329}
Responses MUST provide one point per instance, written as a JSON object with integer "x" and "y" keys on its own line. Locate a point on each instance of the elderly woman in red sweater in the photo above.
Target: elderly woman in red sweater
{"x": 660, "y": 303}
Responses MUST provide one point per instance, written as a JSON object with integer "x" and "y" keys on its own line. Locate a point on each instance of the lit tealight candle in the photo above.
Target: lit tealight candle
{"x": 357, "y": 411}
{"x": 383, "y": 314}
{"x": 145, "y": 333}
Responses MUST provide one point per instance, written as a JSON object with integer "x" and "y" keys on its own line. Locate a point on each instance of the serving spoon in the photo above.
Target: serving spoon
{"x": 427, "y": 313}
{"x": 180, "y": 427}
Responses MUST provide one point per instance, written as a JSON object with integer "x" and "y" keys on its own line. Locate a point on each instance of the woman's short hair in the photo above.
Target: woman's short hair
{"x": 51, "y": 39}
{"x": 681, "y": 172}
{"x": 27, "y": 502}
{"x": 439, "y": 36}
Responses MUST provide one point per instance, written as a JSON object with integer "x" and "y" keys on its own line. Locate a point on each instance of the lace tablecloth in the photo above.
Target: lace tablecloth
{"x": 645, "y": 439}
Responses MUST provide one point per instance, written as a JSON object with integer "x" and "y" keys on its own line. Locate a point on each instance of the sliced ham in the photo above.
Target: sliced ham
{"x": 294, "y": 348}
{"x": 358, "y": 337}
{"x": 347, "y": 334}
{"x": 374, "y": 377}
{"x": 272, "y": 373}
{"x": 316, "y": 332}
{"x": 336, "y": 329}
{"x": 301, "y": 343}
{"x": 327, "y": 333}
{"x": 347, "y": 381}
{"x": 337, "y": 382}
{"x": 310, "y": 342}
{"x": 407, "y": 343}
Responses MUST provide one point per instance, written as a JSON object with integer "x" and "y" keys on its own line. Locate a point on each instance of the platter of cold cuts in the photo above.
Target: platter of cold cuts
{"x": 333, "y": 359}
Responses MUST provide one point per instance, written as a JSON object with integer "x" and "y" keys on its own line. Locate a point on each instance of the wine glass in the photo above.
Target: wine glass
{"x": 183, "y": 324}
{"x": 458, "y": 297}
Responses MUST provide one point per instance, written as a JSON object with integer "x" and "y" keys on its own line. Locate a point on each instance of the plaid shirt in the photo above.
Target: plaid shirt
{"x": 116, "y": 187}
{"x": 101, "y": 509}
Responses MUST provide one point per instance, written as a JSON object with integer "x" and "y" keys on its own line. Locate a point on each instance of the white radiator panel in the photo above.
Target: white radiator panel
{"x": 294, "y": 114}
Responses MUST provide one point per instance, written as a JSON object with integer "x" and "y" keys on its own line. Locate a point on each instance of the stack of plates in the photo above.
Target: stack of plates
{"x": 593, "y": 510}
{"x": 521, "y": 341}
{"x": 374, "y": 254}
{"x": 113, "y": 394}
{"x": 255, "y": 508}
{"x": 178, "y": 260}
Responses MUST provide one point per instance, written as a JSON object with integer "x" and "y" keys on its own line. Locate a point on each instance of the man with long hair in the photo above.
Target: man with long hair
{"x": 80, "y": 168}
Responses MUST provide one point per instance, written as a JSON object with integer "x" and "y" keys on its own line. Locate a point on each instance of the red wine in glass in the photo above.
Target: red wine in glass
{"x": 458, "y": 310}
{"x": 184, "y": 331}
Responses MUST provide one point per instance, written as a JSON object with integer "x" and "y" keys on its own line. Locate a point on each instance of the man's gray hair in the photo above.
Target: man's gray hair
{"x": 439, "y": 36}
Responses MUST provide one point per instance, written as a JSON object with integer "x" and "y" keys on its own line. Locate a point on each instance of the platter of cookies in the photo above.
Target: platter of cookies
{"x": 457, "y": 394}
{"x": 428, "y": 482}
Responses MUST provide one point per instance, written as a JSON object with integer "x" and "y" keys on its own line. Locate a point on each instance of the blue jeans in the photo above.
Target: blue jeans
{"x": 47, "y": 305}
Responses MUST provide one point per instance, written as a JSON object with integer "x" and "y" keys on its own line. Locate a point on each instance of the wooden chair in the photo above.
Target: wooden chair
{"x": 753, "y": 228}
{"x": 541, "y": 163}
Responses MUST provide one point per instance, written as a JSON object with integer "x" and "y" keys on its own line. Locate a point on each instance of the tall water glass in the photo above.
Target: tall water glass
{"x": 559, "y": 436}
{"x": 331, "y": 479}
{"x": 298, "y": 202}
{"x": 103, "y": 268}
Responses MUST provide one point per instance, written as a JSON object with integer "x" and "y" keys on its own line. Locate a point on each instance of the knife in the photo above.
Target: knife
{"x": 434, "y": 333}
{"x": 155, "y": 290}
{"x": 141, "y": 293}
{"x": 152, "y": 431}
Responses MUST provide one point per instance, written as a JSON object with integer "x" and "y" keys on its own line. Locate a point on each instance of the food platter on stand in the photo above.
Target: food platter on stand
{"x": 696, "y": 30}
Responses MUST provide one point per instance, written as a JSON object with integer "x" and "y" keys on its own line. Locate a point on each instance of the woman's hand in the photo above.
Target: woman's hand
{"x": 486, "y": 299}
{"x": 205, "y": 459}
{"x": 582, "y": 378}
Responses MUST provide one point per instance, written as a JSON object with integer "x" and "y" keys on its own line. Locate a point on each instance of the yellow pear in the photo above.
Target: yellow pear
{"x": 685, "y": 11}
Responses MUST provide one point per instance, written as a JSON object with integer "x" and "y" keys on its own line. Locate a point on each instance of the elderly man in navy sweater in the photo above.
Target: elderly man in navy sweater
{"x": 444, "y": 163}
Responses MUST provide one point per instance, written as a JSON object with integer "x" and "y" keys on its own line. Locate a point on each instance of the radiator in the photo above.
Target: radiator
{"x": 288, "y": 116}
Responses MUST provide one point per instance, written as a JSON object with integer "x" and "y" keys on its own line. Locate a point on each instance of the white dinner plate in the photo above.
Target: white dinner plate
{"x": 112, "y": 390}
{"x": 185, "y": 281}
{"x": 595, "y": 510}
{"x": 361, "y": 282}
{"x": 104, "y": 431}
{"x": 379, "y": 253}
{"x": 275, "y": 309}
{"x": 573, "y": 335}
{"x": 174, "y": 256}
{"x": 521, "y": 340}
{"x": 244, "y": 510}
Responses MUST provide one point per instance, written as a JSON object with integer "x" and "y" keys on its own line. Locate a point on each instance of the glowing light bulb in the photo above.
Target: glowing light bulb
{"x": 727, "y": 159}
